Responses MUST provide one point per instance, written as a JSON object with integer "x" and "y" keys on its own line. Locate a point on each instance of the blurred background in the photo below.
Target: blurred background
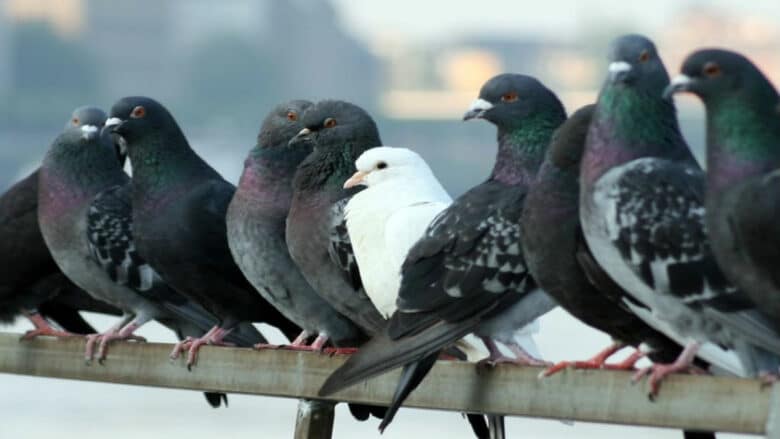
{"x": 416, "y": 66}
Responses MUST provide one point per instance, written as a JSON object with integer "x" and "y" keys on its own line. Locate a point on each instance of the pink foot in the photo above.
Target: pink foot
{"x": 340, "y": 351}
{"x": 300, "y": 344}
{"x": 768, "y": 378}
{"x": 43, "y": 328}
{"x": 261, "y": 346}
{"x": 102, "y": 340}
{"x": 522, "y": 358}
{"x": 181, "y": 347}
{"x": 598, "y": 361}
{"x": 658, "y": 372}
{"x": 214, "y": 338}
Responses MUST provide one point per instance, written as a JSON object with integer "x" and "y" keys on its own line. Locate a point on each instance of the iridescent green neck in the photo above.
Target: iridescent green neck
{"x": 743, "y": 140}
{"x": 748, "y": 131}
{"x": 637, "y": 117}
{"x": 521, "y": 149}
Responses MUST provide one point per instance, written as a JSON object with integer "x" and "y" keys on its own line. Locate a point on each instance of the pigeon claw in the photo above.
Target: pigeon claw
{"x": 43, "y": 328}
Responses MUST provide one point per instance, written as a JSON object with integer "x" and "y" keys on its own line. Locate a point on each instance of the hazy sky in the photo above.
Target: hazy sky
{"x": 439, "y": 19}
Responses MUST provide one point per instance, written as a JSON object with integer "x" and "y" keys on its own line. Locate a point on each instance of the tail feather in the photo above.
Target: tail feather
{"x": 411, "y": 377}
{"x": 478, "y": 425}
{"x": 215, "y": 399}
{"x": 496, "y": 426}
{"x": 382, "y": 354}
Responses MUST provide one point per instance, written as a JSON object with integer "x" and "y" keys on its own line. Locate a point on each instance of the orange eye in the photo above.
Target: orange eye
{"x": 329, "y": 122}
{"x": 509, "y": 97}
{"x": 711, "y": 69}
{"x": 75, "y": 121}
{"x": 138, "y": 112}
{"x": 644, "y": 56}
{"x": 292, "y": 116}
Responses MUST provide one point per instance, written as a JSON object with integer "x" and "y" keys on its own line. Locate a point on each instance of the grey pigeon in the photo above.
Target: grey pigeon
{"x": 85, "y": 218}
{"x": 467, "y": 273}
{"x": 642, "y": 213}
{"x": 743, "y": 158}
{"x": 86, "y": 221}
{"x": 316, "y": 228}
{"x": 31, "y": 284}
{"x": 178, "y": 215}
{"x": 256, "y": 222}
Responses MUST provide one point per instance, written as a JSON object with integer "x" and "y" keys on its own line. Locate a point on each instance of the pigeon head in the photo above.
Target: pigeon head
{"x": 282, "y": 123}
{"x": 94, "y": 117}
{"x": 716, "y": 75}
{"x": 87, "y": 115}
{"x": 384, "y": 163}
{"x": 337, "y": 123}
{"x": 82, "y": 154}
{"x": 136, "y": 119}
{"x": 508, "y": 99}
{"x": 634, "y": 62}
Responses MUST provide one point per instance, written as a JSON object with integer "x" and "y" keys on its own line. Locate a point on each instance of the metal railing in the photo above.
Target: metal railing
{"x": 686, "y": 401}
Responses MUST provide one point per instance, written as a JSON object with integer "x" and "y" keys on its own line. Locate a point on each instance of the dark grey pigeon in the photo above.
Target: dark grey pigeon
{"x": 256, "y": 222}
{"x": 179, "y": 207}
{"x": 86, "y": 220}
{"x": 467, "y": 273}
{"x": 642, "y": 213}
{"x": 316, "y": 229}
{"x": 743, "y": 158}
{"x": 31, "y": 284}
{"x": 561, "y": 262}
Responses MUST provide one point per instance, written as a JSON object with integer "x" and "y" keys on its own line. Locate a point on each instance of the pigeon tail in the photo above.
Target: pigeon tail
{"x": 382, "y": 354}
{"x": 411, "y": 377}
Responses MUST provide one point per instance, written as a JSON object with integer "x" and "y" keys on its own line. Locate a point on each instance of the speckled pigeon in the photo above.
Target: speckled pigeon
{"x": 467, "y": 273}
{"x": 642, "y": 213}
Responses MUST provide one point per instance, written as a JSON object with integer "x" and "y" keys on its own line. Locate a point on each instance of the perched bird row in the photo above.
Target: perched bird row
{"x": 343, "y": 243}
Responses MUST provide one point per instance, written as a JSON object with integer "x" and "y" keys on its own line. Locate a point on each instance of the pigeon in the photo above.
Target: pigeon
{"x": 467, "y": 273}
{"x": 32, "y": 285}
{"x": 384, "y": 220}
{"x": 179, "y": 204}
{"x": 256, "y": 221}
{"x": 642, "y": 214}
{"x": 562, "y": 264}
{"x": 256, "y": 234}
{"x": 743, "y": 158}
{"x": 316, "y": 230}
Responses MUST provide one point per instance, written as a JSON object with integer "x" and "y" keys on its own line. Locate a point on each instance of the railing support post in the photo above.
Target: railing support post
{"x": 773, "y": 419}
{"x": 315, "y": 419}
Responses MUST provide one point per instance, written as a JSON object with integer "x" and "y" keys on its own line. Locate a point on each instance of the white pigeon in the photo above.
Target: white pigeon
{"x": 384, "y": 220}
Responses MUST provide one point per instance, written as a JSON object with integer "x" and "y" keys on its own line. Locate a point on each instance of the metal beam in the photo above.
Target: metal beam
{"x": 686, "y": 401}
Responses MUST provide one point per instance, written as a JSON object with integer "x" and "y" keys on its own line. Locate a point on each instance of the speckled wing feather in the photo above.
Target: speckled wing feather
{"x": 110, "y": 236}
{"x": 468, "y": 258}
{"x": 340, "y": 246}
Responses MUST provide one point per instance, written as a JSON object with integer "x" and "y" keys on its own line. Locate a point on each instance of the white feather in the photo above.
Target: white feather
{"x": 389, "y": 216}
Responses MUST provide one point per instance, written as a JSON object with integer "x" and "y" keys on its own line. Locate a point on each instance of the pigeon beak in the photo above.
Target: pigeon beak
{"x": 89, "y": 132}
{"x": 114, "y": 124}
{"x": 477, "y": 109}
{"x": 356, "y": 179}
{"x": 619, "y": 71}
{"x": 303, "y": 135}
{"x": 679, "y": 83}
